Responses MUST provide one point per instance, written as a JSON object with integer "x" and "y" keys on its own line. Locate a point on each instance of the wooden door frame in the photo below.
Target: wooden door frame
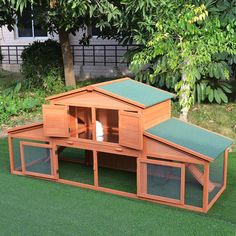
{"x": 23, "y": 164}
{"x": 141, "y": 161}
{"x": 66, "y": 122}
{"x": 72, "y": 182}
{"x": 135, "y": 114}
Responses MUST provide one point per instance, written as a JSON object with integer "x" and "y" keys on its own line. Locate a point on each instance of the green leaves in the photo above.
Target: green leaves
{"x": 222, "y": 95}
{"x": 212, "y": 91}
{"x": 218, "y": 70}
{"x": 185, "y": 41}
{"x": 30, "y": 103}
{"x": 211, "y": 95}
{"x": 17, "y": 88}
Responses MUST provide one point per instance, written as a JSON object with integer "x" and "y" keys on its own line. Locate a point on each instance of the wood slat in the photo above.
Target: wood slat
{"x": 156, "y": 114}
{"x": 56, "y": 121}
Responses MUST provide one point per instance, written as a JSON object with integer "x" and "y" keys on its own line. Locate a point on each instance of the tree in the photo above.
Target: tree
{"x": 66, "y": 17}
{"x": 7, "y": 14}
{"x": 180, "y": 41}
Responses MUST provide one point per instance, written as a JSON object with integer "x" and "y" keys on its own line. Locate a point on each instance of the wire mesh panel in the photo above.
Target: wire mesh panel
{"x": 76, "y": 165}
{"x": 117, "y": 172}
{"x": 16, "y": 152}
{"x": 194, "y": 185}
{"x": 161, "y": 180}
{"x": 36, "y": 159}
{"x": 216, "y": 177}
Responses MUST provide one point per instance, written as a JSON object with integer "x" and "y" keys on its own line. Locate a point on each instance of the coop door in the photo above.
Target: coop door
{"x": 56, "y": 121}
{"x": 161, "y": 180}
{"x": 130, "y": 130}
{"x": 37, "y": 160}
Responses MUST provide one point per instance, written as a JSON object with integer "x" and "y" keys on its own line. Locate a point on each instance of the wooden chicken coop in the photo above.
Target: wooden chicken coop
{"x": 139, "y": 151}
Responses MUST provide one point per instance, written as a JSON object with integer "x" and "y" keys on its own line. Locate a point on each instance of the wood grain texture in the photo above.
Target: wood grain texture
{"x": 73, "y": 121}
{"x": 56, "y": 121}
{"x": 23, "y": 162}
{"x": 94, "y": 99}
{"x": 160, "y": 150}
{"x": 130, "y": 130}
{"x": 179, "y": 147}
{"x": 156, "y": 114}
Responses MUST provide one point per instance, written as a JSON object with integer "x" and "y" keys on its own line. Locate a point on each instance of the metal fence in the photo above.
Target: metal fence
{"x": 11, "y": 54}
{"x": 95, "y": 54}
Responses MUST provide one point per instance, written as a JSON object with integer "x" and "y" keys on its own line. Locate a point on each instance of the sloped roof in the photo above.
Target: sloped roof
{"x": 137, "y": 92}
{"x": 191, "y": 137}
{"x": 126, "y": 90}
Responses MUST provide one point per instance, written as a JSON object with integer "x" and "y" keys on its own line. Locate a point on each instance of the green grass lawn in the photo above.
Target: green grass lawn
{"x": 37, "y": 207}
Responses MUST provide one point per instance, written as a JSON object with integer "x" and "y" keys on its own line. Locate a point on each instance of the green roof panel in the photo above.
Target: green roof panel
{"x": 191, "y": 137}
{"x": 137, "y": 92}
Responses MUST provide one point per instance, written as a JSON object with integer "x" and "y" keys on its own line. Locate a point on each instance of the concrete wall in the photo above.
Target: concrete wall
{"x": 82, "y": 71}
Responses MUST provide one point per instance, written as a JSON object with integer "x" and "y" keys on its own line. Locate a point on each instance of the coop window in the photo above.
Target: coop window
{"x": 107, "y": 125}
{"x": 84, "y": 120}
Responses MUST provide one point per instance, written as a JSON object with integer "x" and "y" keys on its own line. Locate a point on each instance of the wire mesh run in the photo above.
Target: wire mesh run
{"x": 216, "y": 178}
{"x": 163, "y": 181}
{"x": 117, "y": 172}
{"x": 76, "y": 165}
{"x": 16, "y": 152}
{"x": 193, "y": 185}
{"x": 37, "y": 160}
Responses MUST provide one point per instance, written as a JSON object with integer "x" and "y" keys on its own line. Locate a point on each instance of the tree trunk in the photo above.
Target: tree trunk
{"x": 67, "y": 58}
{"x": 184, "y": 98}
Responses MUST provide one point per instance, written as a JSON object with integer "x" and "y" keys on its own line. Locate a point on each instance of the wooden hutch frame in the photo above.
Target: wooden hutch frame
{"x": 136, "y": 143}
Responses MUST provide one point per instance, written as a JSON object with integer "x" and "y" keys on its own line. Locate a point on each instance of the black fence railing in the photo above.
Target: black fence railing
{"x": 11, "y": 54}
{"x": 95, "y": 54}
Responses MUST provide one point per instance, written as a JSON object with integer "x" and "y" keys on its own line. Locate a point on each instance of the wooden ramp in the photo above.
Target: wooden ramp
{"x": 199, "y": 176}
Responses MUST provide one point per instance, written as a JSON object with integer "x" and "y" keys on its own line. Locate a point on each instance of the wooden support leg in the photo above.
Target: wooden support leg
{"x": 95, "y": 168}
{"x": 206, "y": 187}
{"x": 11, "y": 153}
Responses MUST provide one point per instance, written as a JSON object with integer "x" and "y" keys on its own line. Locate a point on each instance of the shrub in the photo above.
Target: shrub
{"x": 53, "y": 82}
{"x": 14, "y": 102}
{"x": 38, "y": 59}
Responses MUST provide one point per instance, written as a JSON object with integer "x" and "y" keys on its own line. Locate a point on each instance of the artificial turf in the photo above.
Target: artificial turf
{"x": 31, "y": 206}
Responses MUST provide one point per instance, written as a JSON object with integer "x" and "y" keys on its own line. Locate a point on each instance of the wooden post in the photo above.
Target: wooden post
{"x": 94, "y": 123}
{"x": 206, "y": 186}
{"x": 225, "y": 166}
{"x": 138, "y": 174}
{"x": 54, "y": 160}
{"x": 11, "y": 153}
{"x": 182, "y": 184}
{"x": 95, "y": 168}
